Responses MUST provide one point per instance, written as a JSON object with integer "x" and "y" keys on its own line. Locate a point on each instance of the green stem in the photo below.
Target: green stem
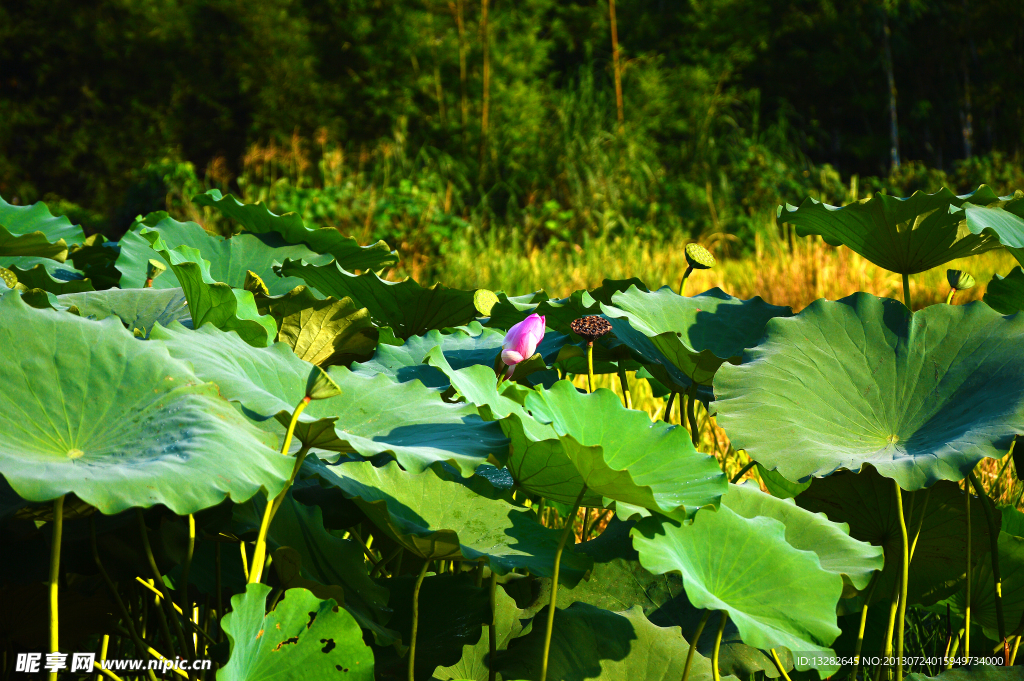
{"x": 554, "y": 583}
{"x": 58, "y": 529}
{"x": 416, "y": 619}
{"x": 993, "y": 536}
{"x": 904, "y": 579}
{"x": 736, "y": 478}
{"x": 920, "y": 522}
{"x": 863, "y": 623}
{"x": 590, "y": 366}
{"x": 890, "y": 625}
{"x": 586, "y": 525}
{"x": 967, "y": 607}
{"x": 778, "y": 665}
{"x": 718, "y": 646}
{"x": 492, "y": 634}
{"x": 260, "y": 555}
{"x": 952, "y": 651}
{"x": 949, "y": 297}
{"x": 693, "y": 643}
{"x": 186, "y": 603}
{"x": 691, "y": 413}
{"x": 685, "y": 276}
{"x": 667, "y": 418}
{"x": 165, "y": 601}
{"x": 906, "y": 290}
{"x": 625, "y": 388}
{"x": 140, "y": 646}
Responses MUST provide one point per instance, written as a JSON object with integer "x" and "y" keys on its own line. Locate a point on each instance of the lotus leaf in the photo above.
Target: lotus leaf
{"x": 320, "y": 331}
{"x": 137, "y": 308}
{"x": 796, "y": 609}
{"x": 778, "y": 486}
{"x": 33, "y": 231}
{"x": 229, "y": 259}
{"x": 96, "y": 257}
{"x": 866, "y": 502}
{"x": 371, "y": 416}
{"x": 696, "y": 334}
{"x": 1004, "y": 220}
{"x": 978, "y": 673}
{"x": 1006, "y": 294}
{"x": 256, "y": 218}
{"x": 439, "y": 519}
{"x": 589, "y": 642}
{"x": 66, "y": 430}
{"x": 904, "y": 235}
{"x": 404, "y": 306}
{"x": 302, "y": 638}
{"x": 213, "y": 302}
{"x": 864, "y": 380}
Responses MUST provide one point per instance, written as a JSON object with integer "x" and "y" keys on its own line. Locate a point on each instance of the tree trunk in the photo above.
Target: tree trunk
{"x": 615, "y": 63}
{"x": 456, "y": 8}
{"x": 894, "y": 133}
{"x": 486, "y": 104}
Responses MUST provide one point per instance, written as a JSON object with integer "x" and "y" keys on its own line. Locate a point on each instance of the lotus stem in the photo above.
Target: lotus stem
{"x": 627, "y": 398}
{"x": 890, "y": 625}
{"x": 686, "y": 275}
{"x": 1013, "y": 655}
{"x": 863, "y": 624}
{"x": 906, "y": 291}
{"x": 967, "y": 608}
{"x": 492, "y": 633}
{"x": 693, "y": 643}
{"x": 58, "y": 529}
{"x": 904, "y": 579}
{"x": 416, "y": 619}
{"x": 668, "y": 407}
{"x": 718, "y": 646}
{"x": 949, "y": 296}
{"x": 736, "y": 478}
{"x": 590, "y": 366}
{"x": 920, "y": 522}
{"x": 186, "y": 603}
{"x": 993, "y": 536}
{"x": 125, "y": 615}
{"x": 778, "y": 664}
{"x": 166, "y": 600}
{"x": 554, "y": 583}
{"x": 259, "y": 556}
{"x": 691, "y": 413}
{"x": 952, "y": 651}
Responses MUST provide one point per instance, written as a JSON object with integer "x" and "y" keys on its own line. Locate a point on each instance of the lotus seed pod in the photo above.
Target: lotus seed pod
{"x": 8, "y": 277}
{"x": 698, "y": 257}
{"x": 483, "y": 301}
{"x": 590, "y": 327}
{"x": 154, "y": 268}
{"x": 959, "y": 280}
{"x": 320, "y": 386}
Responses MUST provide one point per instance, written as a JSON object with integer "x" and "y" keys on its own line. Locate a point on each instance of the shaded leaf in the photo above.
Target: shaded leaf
{"x": 320, "y": 331}
{"x": 137, "y": 308}
{"x": 1006, "y": 294}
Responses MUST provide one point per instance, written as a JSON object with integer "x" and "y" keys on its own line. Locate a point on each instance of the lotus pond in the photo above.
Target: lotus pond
{"x": 255, "y": 451}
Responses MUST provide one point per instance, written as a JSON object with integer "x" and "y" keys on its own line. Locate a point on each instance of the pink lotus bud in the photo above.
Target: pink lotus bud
{"x": 521, "y": 341}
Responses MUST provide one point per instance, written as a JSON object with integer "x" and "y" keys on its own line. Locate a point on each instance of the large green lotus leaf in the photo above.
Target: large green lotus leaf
{"x": 537, "y": 457}
{"x": 722, "y": 554}
{"x": 905, "y": 235}
{"x": 440, "y": 519}
{"x": 257, "y": 219}
{"x": 590, "y": 643}
{"x": 856, "y": 561}
{"x": 509, "y": 311}
{"x": 1004, "y": 220}
{"x": 320, "y": 331}
{"x": 1012, "y": 521}
{"x": 302, "y": 638}
{"x": 697, "y": 334}
{"x": 38, "y": 218}
{"x": 228, "y": 259}
{"x": 326, "y": 559}
{"x": 404, "y": 306}
{"x": 778, "y": 486}
{"x": 559, "y": 313}
{"x": 89, "y": 409}
{"x": 46, "y": 274}
{"x": 465, "y": 346}
{"x": 509, "y": 623}
{"x": 211, "y": 301}
{"x": 867, "y": 503}
{"x": 32, "y": 231}
{"x": 623, "y": 456}
{"x": 137, "y": 308}
{"x": 983, "y": 588}
{"x": 1006, "y": 294}
{"x": 920, "y": 396}
{"x": 371, "y": 415}
{"x": 659, "y": 370}
{"x": 97, "y": 259}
